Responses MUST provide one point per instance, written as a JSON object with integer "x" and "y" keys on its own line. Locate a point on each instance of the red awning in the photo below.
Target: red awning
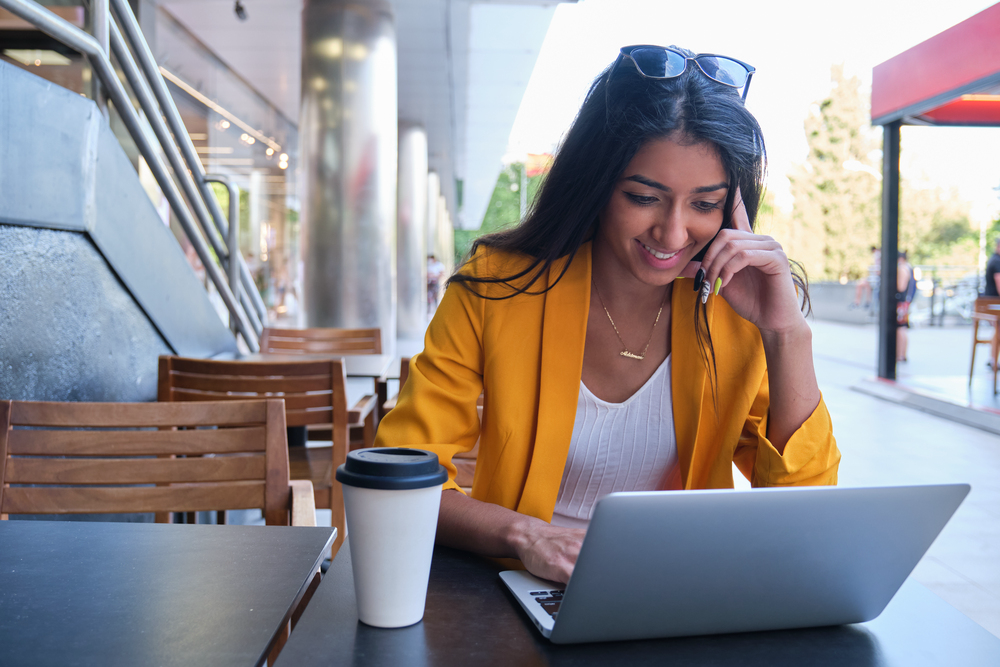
{"x": 952, "y": 78}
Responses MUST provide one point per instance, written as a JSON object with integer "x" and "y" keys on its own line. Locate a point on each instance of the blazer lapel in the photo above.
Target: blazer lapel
{"x": 564, "y": 332}
{"x": 688, "y": 374}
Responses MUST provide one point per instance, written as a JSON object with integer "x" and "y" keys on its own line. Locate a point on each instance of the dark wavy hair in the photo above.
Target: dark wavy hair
{"x": 622, "y": 112}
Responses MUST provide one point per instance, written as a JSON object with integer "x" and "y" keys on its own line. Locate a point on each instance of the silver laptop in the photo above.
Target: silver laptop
{"x": 671, "y": 564}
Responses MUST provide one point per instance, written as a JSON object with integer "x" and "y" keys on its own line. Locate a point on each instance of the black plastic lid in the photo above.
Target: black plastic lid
{"x": 394, "y": 468}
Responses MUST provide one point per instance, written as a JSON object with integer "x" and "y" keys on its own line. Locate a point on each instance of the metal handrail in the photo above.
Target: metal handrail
{"x": 79, "y": 40}
{"x": 232, "y": 238}
{"x": 195, "y": 170}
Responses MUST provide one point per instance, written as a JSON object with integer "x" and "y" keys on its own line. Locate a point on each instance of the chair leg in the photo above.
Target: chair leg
{"x": 279, "y": 643}
{"x": 338, "y": 517}
{"x": 994, "y": 352}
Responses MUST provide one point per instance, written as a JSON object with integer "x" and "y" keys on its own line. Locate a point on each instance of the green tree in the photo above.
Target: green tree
{"x": 934, "y": 227}
{"x": 837, "y": 213}
{"x": 504, "y": 209}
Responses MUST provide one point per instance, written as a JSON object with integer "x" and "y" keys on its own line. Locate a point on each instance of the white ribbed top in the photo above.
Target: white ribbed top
{"x": 617, "y": 447}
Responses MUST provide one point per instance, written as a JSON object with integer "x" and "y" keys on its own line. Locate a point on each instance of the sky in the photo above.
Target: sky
{"x": 793, "y": 45}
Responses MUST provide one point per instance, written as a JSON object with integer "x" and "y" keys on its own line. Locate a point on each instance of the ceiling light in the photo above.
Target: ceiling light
{"x": 36, "y": 57}
{"x": 331, "y": 47}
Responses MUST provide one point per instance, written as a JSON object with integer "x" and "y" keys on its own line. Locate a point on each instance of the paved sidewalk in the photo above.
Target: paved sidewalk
{"x": 887, "y": 442}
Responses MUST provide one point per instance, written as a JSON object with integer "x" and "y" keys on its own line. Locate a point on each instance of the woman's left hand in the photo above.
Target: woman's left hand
{"x": 756, "y": 277}
{"x": 757, "y": 284}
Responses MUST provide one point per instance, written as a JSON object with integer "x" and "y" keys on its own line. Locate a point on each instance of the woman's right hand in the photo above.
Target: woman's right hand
{"x": 549, "y": 551}
{"x": 546, "y": 551}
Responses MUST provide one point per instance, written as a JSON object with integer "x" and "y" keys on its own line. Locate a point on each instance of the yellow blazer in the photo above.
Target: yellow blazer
{"x": 526, "y": 354}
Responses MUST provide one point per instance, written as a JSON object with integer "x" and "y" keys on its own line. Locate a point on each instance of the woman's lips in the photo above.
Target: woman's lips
{"x": 657, "y": 254}
{"x": 658, "y": 259}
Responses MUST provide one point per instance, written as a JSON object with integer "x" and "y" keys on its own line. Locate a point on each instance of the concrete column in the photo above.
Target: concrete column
{"x": 348, "y": 142}
{"x": 411, "y": 239}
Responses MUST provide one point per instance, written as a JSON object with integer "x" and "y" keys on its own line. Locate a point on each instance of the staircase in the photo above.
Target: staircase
{"x": 93, "y": 285}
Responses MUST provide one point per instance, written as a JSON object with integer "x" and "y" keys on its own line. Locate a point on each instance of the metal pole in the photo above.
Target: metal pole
{"x": 232, "y": 238}
{"x": 890, "y": 252}
{"x": 99, "y": 18}
{"x": 147, "y": 63}
{"x": 148, "y": 103}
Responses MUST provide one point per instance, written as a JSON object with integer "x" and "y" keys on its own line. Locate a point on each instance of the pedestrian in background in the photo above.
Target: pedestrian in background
{"x": 906, "y": 289}
{"x": 992, "y": 287}
{"x": 435, "y": 272}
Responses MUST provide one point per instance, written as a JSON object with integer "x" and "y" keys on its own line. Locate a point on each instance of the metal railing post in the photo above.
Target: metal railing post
{"x": 232, "y": 238}
{"x": 100, "y": 18}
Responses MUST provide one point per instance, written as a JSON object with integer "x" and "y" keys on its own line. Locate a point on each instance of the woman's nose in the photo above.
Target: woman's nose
{"x": 670, "y": 229}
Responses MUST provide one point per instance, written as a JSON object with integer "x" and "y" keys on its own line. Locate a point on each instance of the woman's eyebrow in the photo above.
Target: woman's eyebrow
{"x": 647, "y": 181}
{"x": 711, "y": 188}
{"x": 660, "y": 186}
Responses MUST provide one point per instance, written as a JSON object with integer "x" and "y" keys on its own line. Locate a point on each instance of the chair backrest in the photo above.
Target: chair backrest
{"x": 404, "y": 371}
{"x": 321, "y": 341}
{"x": 987, "y": 304}
{"x": 63, "y": 458}
{"x": 314, "y": 391}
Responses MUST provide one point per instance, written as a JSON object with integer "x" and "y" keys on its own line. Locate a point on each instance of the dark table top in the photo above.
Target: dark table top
{"x": 84, "y": 593}
{"x": 472, "y": 620}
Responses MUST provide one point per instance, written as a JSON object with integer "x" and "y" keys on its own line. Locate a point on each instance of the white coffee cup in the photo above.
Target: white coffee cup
{"x": 392, "y": 497}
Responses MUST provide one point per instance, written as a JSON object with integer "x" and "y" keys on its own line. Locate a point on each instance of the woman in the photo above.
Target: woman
{"x": 603, "y": 366}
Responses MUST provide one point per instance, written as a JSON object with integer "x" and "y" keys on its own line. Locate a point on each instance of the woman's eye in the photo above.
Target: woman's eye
{"x": 707, "y": 206}
{"x": 642, "y": 200}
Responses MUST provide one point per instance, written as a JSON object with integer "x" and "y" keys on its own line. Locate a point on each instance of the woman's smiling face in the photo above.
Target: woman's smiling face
{"x": 664, "y": 209}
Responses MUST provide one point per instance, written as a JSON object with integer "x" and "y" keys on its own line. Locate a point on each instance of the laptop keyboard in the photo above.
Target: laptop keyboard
{"x": 550, "y": 600}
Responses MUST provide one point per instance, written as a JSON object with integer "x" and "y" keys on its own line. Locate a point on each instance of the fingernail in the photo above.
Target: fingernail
{"x": 705, "y": 291}
{"x": 718, "y": 285}
{"x": 699, "y": 278}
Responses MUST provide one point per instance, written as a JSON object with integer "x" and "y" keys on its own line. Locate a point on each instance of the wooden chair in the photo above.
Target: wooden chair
{"x": 314, "y": 394}
{"x": 98, "y": 458}
{"x": 95, "y": 458}
{"x": 986, "y": 310}
{"x": 321, "y": 341}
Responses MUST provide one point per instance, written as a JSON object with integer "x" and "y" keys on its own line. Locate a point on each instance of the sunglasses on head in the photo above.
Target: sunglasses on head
{"x": 660, "y": 62}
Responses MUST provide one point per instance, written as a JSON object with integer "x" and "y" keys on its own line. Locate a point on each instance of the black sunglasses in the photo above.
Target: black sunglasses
{"x": 660, "y": 62}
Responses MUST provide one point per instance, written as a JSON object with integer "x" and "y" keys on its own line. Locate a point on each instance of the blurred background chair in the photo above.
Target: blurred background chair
{"x": 314, "y": 394}
{"x": 321, "y": 341}
{"x": 986, "y": 310}
{"x": 96, "y": 458}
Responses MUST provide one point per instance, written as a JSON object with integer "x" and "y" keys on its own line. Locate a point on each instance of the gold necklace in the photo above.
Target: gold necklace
{"x": 625, "y": 351}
